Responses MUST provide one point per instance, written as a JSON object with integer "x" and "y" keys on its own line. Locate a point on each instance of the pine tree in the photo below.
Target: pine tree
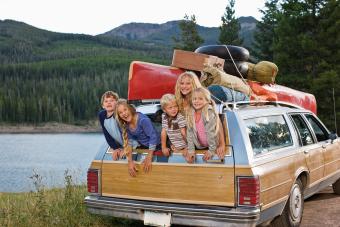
{"x": 229, "y": 30}
{"x": 190, "y": 39}
{"x": 265, "y": 32}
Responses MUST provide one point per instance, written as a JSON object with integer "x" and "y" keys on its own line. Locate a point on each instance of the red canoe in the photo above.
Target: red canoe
{"x": 148, "y": 82}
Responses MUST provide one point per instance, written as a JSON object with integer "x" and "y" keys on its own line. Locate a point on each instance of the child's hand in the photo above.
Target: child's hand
{"x": 173, "y": 148}
{"x": 132, "y": 169}
{"x": 190, "y": 157}
{"x": 122, "y": 153}
{"x": 116, "y": 154}
{"x": 147, "y": 163}
{"x": 207, "y": 155}
{"x": 220, "y": 151}
{"x": 165, "y": 151}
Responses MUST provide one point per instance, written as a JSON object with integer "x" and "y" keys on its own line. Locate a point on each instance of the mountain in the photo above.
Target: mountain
{"x": 152, "y": 34}
{"x": 20, "y": 42}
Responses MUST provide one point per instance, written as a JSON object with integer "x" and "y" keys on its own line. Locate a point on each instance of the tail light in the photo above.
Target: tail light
{"x": 248, "y": 191}
{"x": 93, "y": 181}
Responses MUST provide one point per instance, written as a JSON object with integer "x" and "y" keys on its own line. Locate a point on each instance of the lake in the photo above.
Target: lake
{"x": 48, "y": 155}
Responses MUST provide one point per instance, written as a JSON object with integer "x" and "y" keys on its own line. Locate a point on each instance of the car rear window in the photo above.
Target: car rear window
{"x": 268, "y": 133}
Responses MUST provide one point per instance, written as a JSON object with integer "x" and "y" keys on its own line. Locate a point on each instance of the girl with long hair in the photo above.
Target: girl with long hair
{"x": 136, "y": 127}
{"x": 186, "y": 83}
{"x": 203, "y": 123}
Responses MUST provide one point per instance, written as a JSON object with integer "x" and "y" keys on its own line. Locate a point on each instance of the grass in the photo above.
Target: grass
{"x": 53, "y": 207}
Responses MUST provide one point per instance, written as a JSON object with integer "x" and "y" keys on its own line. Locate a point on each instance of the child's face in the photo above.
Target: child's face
{"x": 124, "y": 113}
{"x": 171, "y": 109}
{"x": 109, "y": 104}
{"x": 198, "y": 101}
{"x": 185, "y": 85}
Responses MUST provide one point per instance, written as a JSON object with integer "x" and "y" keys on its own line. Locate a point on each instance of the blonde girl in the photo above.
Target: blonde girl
{"x": 136, "y": 127}
{"x": 203, "y": 123}
{"x": 186, "y": 83}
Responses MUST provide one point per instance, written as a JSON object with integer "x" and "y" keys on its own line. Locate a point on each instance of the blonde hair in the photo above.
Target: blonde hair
{"x": 205, "y": 114}
{"x": 166, "y": 99}
{"x": 109, "y": 94}
{"x": 179, "y": 96}
{"x": 122, "y": 123}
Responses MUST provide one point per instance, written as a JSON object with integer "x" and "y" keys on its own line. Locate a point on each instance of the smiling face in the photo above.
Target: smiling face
{"x": 109, "y": 104}
{"x": 185, "y": 85}
{"x": 171, "y": 109}
{"x": 199, "y": 101}
{"x": 124, "y": 113}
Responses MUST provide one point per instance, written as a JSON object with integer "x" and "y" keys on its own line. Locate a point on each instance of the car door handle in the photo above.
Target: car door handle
{"x": 325, "y": 145}
{"x": 306, "y": 151}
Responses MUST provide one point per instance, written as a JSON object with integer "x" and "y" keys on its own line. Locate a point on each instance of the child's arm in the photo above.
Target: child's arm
{"x": 149, "y": 130}
{"x": 182, "y": 124}
{"x": 210, "y": 128}
{"x": 190, "y": 154}
{"x": 165, "y": 150}
{"x": 184, "y": 134}
{"x": 131, "y": 164}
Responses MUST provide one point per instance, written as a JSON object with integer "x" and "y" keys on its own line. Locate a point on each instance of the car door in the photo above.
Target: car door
{"x": 312, "y": 150}
{"x": 330, "y": 149}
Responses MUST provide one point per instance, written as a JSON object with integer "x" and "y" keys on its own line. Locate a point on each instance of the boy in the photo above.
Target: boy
{"x": 173, "y": 126}
{"x": 109, "y": 124}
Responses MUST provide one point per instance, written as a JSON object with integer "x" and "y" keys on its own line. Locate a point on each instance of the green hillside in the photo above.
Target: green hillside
{"x": 47, "y": 76}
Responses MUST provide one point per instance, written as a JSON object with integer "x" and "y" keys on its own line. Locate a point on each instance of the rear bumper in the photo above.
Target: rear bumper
{"x": 183, "y": 214}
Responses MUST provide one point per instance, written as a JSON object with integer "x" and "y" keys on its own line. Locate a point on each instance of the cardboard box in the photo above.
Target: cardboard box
{"x": 194, "y": 61}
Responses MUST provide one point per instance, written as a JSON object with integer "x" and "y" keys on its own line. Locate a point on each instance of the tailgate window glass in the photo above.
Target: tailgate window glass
{"x": 268, "y": 133}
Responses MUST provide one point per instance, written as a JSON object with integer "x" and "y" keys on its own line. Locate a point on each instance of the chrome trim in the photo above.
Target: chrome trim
{"x": 184, "y": 214}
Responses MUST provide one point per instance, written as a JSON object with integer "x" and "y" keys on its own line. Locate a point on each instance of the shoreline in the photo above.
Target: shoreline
{"x": 51, "y": 127}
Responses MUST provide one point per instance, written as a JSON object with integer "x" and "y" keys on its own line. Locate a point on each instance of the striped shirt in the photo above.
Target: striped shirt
{"x": 173, "y": 130}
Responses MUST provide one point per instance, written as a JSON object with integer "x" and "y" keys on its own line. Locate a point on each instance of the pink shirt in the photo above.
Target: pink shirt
{"x": 201, "y": 133}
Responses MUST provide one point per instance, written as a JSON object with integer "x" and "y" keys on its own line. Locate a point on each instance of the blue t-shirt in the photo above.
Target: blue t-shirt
{"x": 144, "y": 133}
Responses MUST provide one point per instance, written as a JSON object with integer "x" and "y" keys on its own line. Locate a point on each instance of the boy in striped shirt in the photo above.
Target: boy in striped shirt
{"x": 173, "y": 126}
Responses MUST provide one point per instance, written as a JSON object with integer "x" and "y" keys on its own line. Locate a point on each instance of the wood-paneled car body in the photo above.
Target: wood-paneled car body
{"x": 277, "y": 155}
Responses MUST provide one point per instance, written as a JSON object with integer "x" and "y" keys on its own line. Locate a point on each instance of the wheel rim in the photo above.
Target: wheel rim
{"x": 296, "y": 202}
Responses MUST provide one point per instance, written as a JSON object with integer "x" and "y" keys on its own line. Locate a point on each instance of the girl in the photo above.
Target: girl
{"x": 186, "y": 83}
{"x": 136, "y": 127}
{"x": 203, "y": 123}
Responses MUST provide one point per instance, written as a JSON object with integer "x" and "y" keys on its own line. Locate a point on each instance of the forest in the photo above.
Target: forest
{"x": 47, "y": 76}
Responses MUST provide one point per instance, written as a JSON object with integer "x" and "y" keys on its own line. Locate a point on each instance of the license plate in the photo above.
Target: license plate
{"x": 157, "y": 219}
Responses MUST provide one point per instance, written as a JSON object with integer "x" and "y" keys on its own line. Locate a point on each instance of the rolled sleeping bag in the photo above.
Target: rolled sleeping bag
{"x": 224, "y": 94}
{"x": 238, "y": 53}
{"x": 242, "y": 67}
{"x": 212, "y": 75}
{"x": 264, "y": 72}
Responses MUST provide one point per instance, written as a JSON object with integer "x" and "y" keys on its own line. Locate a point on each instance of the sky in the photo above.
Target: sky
{"x": 98, "y": 16}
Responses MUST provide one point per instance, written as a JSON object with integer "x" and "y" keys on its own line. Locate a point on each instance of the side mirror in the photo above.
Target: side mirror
{"x": 332, "y": 136}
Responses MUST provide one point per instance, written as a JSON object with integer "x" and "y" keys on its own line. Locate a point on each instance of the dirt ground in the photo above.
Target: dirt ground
{"x": 322, "y": 210}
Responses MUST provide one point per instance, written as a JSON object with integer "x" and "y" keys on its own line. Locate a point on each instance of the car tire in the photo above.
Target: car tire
{"x": 237, "y": 53}
{"x": 292, "y": 213}
{"x": 336, "y": 187}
